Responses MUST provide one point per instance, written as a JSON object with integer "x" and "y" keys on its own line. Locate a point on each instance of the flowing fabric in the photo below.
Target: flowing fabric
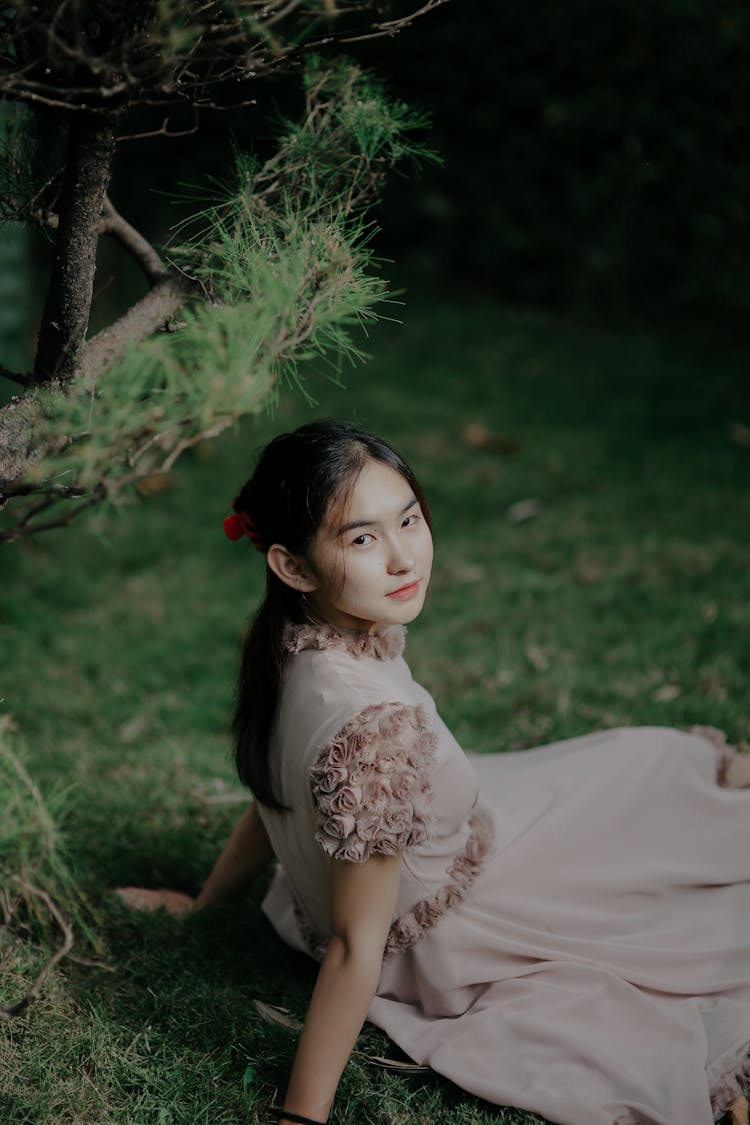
{"x": 572, "y": 931}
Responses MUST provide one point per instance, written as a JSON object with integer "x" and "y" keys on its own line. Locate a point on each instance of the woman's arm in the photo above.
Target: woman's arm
{"x": 363, "y": 900}
{"x": 244, "y": 856}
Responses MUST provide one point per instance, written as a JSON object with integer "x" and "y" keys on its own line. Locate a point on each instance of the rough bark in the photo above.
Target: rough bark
{"x": 18, "y": 422}
{"x": 66, "y": 312}
{"x": 145, "y": 316}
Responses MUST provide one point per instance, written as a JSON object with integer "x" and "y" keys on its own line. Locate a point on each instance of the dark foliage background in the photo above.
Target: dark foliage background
{"x": 592, "y": 151}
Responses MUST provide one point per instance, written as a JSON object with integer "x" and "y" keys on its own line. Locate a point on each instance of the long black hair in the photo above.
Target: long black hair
{"x": 297, "y": 477}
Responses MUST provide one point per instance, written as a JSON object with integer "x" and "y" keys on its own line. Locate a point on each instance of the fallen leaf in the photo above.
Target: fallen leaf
{"x": 523, "y": 510}
{"x": 133, "y": 728}
{"x": 503, "y": 677}
{"x": 536, "y": 658}
{"x": 393, "y": 1064}
{"x": 709, "y": 612}
{"x": 480, "y": 436}
{"x": 476, "y": 434}
{"x": 280, "y": 1016}
{"x": 158, "y": 482}
{"x": 667, "y": 692}
{"x": 271, "y": 1014}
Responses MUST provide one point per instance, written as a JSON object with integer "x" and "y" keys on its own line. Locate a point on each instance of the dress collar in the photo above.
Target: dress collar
{"x": 385, "y": 645}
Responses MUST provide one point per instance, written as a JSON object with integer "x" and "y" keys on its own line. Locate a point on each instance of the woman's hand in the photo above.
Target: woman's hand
{"x": 246, "y": 854}
{"x": 141, "y": 898}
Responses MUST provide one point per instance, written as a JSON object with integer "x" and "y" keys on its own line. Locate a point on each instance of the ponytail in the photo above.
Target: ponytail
{"x": 259, "y": 689}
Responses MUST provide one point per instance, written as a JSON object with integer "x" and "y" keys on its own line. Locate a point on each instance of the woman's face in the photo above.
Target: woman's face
{"x": 372, "y": 557}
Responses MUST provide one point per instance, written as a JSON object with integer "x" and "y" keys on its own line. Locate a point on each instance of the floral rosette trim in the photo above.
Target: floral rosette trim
{"x": 409, "y": 928}
{"x": 371, "y": 784}
{"x": 385, "y": 645}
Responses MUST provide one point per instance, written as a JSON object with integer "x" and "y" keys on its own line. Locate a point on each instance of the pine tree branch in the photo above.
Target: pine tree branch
{"x": 220, "y": 56}
{"x": 164, "y": 131}
{"x": 113, "y": 223}
{"x": 25, "y": 527}
{"x": 144, "y": 317}
{"x": 270, "y": 277}
{"x": 133, "y": 241}
{"x": 45, "y": 488}
{"x": 20, "y": 417}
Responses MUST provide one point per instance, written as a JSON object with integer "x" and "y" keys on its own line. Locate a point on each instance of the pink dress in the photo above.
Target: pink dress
{"x": 572, "y": 932}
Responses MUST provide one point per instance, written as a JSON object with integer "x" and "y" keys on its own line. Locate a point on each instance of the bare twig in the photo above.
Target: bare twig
{"x": 34, "y": 510}
{"x": 164, "y": 131}
{"x": 187, "y": 443}
{"x": 21, "y": 529}
{"x": 212, "y": 70}
{"x": 9, "y": 1011}
{"x": 46, "y": 488}
{"x": 90, "y": 963}
{"x": 392, "y": 27}
{"x": 133, "y": 241}
{"x": 8, "y": 908}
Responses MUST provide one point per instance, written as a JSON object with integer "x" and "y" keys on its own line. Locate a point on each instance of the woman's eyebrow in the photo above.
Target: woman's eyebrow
{"x": 369, "y": 523}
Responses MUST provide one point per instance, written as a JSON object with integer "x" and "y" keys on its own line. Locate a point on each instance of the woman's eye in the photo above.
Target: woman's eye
{"x": 361, "y": 540}
{"x": 410, "y": 520}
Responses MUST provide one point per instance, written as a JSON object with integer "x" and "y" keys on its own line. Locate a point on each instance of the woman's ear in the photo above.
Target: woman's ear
{"x": 290, "y": 569}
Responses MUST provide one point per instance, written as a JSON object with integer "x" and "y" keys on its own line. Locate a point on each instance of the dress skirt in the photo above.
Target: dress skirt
{"x": 598, "y": 969}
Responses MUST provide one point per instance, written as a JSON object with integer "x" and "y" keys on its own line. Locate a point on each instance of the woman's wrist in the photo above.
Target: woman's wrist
{"x": 296, "y": 1118}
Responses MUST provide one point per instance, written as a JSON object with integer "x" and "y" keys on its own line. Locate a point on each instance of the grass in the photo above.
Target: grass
{"x": 625, "y": 600}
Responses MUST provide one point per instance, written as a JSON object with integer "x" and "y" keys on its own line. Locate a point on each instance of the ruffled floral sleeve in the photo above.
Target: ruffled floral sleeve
{"x": 371, "y": 784}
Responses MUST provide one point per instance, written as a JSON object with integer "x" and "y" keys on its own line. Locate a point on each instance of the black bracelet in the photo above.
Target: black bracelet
{"x": 286, "y": 1114}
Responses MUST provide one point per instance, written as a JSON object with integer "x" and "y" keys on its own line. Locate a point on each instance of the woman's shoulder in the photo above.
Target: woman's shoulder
{"x": 339, "y": 673}
{"x": 354, "y": 718}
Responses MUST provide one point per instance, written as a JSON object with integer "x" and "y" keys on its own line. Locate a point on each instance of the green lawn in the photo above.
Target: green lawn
{"x": 625, "y": 600}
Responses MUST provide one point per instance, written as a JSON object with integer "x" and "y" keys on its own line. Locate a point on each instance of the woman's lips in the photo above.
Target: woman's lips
{"x": 405, "y": 591}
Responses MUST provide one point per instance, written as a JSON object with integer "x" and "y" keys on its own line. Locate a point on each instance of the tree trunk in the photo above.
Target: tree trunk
{"x": 68, "y": 305}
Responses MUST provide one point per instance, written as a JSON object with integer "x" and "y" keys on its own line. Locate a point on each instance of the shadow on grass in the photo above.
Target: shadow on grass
{"x": 186, "y": 987}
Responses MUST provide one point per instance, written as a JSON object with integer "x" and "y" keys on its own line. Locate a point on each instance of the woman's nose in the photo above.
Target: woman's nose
{"x": 401, "y": 559}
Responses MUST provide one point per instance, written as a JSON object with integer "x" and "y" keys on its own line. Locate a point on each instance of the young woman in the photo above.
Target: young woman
{"x": 565, "y": 929}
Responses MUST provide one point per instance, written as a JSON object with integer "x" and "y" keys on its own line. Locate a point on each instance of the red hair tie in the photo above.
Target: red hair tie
{"x": 241, "y": 524}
